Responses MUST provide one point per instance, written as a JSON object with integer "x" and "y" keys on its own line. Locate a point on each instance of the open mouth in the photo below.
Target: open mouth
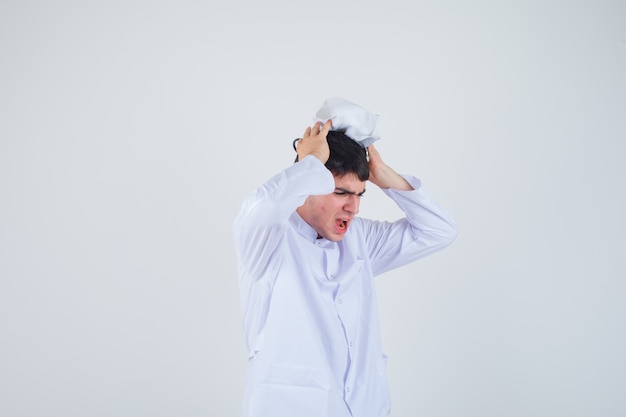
{"x": 342, "y": 225}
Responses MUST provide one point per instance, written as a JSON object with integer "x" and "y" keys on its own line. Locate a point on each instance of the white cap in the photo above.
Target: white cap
{"x": 355, "y": 121}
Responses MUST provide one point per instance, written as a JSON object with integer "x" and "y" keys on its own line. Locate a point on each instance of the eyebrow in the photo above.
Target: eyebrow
{"x": 343, "y": 190}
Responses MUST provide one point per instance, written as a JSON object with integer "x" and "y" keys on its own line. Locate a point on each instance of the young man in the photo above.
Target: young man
{"x": 306, "y": 269}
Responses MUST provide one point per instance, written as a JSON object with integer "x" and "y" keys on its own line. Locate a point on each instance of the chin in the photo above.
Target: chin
{"x": 335, "y": 237}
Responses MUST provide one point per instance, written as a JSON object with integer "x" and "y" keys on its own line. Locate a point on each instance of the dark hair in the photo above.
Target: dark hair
{"x": 346, "y": 156}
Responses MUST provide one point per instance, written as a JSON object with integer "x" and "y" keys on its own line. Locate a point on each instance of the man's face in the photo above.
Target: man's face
{"x": 330, "y": 215}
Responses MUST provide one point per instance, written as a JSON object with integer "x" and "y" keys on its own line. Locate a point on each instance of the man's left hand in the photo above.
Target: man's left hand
{"x": 383, "y": 175}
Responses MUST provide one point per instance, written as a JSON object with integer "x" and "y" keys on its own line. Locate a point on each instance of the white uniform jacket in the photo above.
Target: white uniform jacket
{"x": 309, "y": 308}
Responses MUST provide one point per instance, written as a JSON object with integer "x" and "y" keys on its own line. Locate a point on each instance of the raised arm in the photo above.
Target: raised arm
{"x": 426, "y": 228}
{"x": 265, "y": 212}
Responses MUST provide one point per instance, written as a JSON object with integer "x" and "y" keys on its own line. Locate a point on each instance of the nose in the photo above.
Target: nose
{"x": 352, "y": 205}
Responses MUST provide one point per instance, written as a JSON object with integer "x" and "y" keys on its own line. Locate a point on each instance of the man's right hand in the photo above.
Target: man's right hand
{"x": 314, "y": 142}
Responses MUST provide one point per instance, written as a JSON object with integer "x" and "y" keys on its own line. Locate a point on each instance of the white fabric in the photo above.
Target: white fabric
{"x": 309, "y": 307}
{"x": 355, "y": 121}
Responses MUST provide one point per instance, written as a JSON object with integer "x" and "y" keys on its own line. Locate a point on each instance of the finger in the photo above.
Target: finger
{"x": 326, "y": 127}
{"x": 307, "y": 132}
{"x": 316, "y": 128}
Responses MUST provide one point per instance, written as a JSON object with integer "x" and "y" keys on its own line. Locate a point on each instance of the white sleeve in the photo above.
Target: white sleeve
{"x": 427, "y": 228}
{"x": 263, "y": 217}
